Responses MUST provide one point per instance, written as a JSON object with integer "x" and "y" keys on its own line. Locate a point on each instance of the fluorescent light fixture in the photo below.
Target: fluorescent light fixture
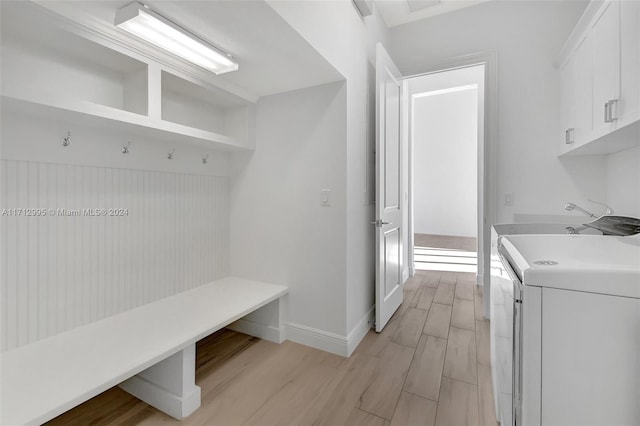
{"x": 364, "y": 6}
{"x": 142, "y": 22}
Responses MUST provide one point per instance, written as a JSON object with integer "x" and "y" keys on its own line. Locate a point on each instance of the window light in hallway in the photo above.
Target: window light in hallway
{"x": 445, "y": 259}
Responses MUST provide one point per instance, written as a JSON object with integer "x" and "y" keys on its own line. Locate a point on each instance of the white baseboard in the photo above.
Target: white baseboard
{"x": 319, "y": 339}
{"x": 331, "y": 342}
{"x": 176, "y": 406}
{"x": 360, "y": 330}
{"x": 405, "y": 275}
{"x": 256, "y": 329}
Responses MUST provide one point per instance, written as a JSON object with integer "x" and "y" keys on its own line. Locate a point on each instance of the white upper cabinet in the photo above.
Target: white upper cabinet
{"x": 567, "y": 104}
{"x": 630, "y": 60}
{"x": 600, "y": 78}
{"x": 577, "y": 94}
{"x": 605, "y": 33}
{"x": 581, "y": 80}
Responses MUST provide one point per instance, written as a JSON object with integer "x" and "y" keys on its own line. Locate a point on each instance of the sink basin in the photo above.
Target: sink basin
{"x": 592, "y": 263}
{"x": 541, "y": 228}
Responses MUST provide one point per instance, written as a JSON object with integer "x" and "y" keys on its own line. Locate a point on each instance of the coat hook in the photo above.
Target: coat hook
{"x": 170, "y": 155}
{"x": 125, "y": 148}
{"x": 67, "y": 140}
{"x": 205, "y": 159}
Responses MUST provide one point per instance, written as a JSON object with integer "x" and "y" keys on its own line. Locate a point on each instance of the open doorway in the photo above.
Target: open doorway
{"x": 395, "y": 99}
{"x": 446, "y": 157}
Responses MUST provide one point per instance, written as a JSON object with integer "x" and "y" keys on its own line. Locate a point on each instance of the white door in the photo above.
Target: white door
{"x": 388, "y": 189}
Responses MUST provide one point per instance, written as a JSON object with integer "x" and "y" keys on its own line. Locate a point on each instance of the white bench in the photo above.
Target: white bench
{"x": 149, "y": 351}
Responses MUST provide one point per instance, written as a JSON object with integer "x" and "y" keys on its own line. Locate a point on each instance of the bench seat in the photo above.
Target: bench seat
{"x": 41, "y": 380}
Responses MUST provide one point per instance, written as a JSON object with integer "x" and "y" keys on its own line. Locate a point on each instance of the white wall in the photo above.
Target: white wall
{"x": 623, "y": 182}
{"x": 279, "y": 230}
{"x": 61, "y": 272}
{"x": 445, "y": 137}
{"x": 347, "y": 41}
{"x": 525, "y": 35}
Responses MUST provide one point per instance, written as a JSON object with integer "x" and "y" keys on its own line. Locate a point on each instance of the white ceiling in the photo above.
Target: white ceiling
{"x": 273, "y": 57}
{"x": 398, "y": 12}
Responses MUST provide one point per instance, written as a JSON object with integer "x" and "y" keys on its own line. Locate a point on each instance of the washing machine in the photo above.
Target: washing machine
{"x": 566, "y": 330}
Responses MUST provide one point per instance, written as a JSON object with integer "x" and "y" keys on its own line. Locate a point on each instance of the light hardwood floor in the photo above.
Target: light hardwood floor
{"x": 445, "y": 242}
{"x": 429, "y": 366}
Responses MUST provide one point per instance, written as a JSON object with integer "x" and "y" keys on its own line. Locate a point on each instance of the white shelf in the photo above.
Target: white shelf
{"x": 189, "y": 105}
{"x": 105, "y": 117}
{"x": 50, "y": 71}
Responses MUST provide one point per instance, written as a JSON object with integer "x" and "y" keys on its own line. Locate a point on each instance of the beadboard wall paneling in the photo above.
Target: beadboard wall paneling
{"x": 60, "y": 272}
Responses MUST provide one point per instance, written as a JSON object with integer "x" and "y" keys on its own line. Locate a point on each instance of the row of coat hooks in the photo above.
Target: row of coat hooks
{"x": 66, "y": 141}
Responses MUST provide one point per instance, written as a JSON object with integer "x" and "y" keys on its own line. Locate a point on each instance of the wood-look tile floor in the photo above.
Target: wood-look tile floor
{"x": 429, "y": 366}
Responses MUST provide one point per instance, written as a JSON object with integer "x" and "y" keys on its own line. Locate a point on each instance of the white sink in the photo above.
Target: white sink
{"x": 591, "y": 263}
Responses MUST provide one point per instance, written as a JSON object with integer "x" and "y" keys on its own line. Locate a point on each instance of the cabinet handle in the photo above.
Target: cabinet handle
{"x": 569, "y": 136}
{"x": 613, "y": 110}
{"x": 609, "y": 116}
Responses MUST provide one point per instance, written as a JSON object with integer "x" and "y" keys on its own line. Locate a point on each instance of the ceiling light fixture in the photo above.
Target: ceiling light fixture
{"x": 142, "y": 22}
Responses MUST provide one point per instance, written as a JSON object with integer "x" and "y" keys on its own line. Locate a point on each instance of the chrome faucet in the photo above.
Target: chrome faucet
{"x": 571, "y": 206}
{"x": 575, "y": 229}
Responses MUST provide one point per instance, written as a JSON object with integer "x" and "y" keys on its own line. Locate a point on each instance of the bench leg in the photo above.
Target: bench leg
{"x": 266, "y": 322}
{"x": 169, "y": 385}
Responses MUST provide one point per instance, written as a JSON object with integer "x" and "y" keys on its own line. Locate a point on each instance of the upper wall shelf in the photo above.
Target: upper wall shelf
{"x": 48, "y": 71}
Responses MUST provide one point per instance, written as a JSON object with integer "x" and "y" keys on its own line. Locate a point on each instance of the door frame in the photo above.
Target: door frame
{"x": 487, "y": 163}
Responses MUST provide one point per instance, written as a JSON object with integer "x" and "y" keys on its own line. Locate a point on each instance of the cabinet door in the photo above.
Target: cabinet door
{"x": 583, "y": 90}
{"x": 590, "y": 360}
{"x": 606, "y": 67}
{"x": 567, "y": 104}
{"x": 630, "y": 61}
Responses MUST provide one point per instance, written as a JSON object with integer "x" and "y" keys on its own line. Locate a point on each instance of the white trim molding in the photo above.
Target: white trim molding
{"x": 316, "y": 338}
{"x": 487, "y": 168}
{"x": 361, "y": 329}
{"x": 581, "y": 27}
{"x": 331, "y": 342}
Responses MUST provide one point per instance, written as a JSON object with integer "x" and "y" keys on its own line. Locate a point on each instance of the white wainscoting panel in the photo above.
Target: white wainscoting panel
{"x": 61, "y": 272}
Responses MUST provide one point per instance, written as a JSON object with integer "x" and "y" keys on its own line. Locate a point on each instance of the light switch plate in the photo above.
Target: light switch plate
{"x": 325, "y": 197}
{"x": 508, "y": 199}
